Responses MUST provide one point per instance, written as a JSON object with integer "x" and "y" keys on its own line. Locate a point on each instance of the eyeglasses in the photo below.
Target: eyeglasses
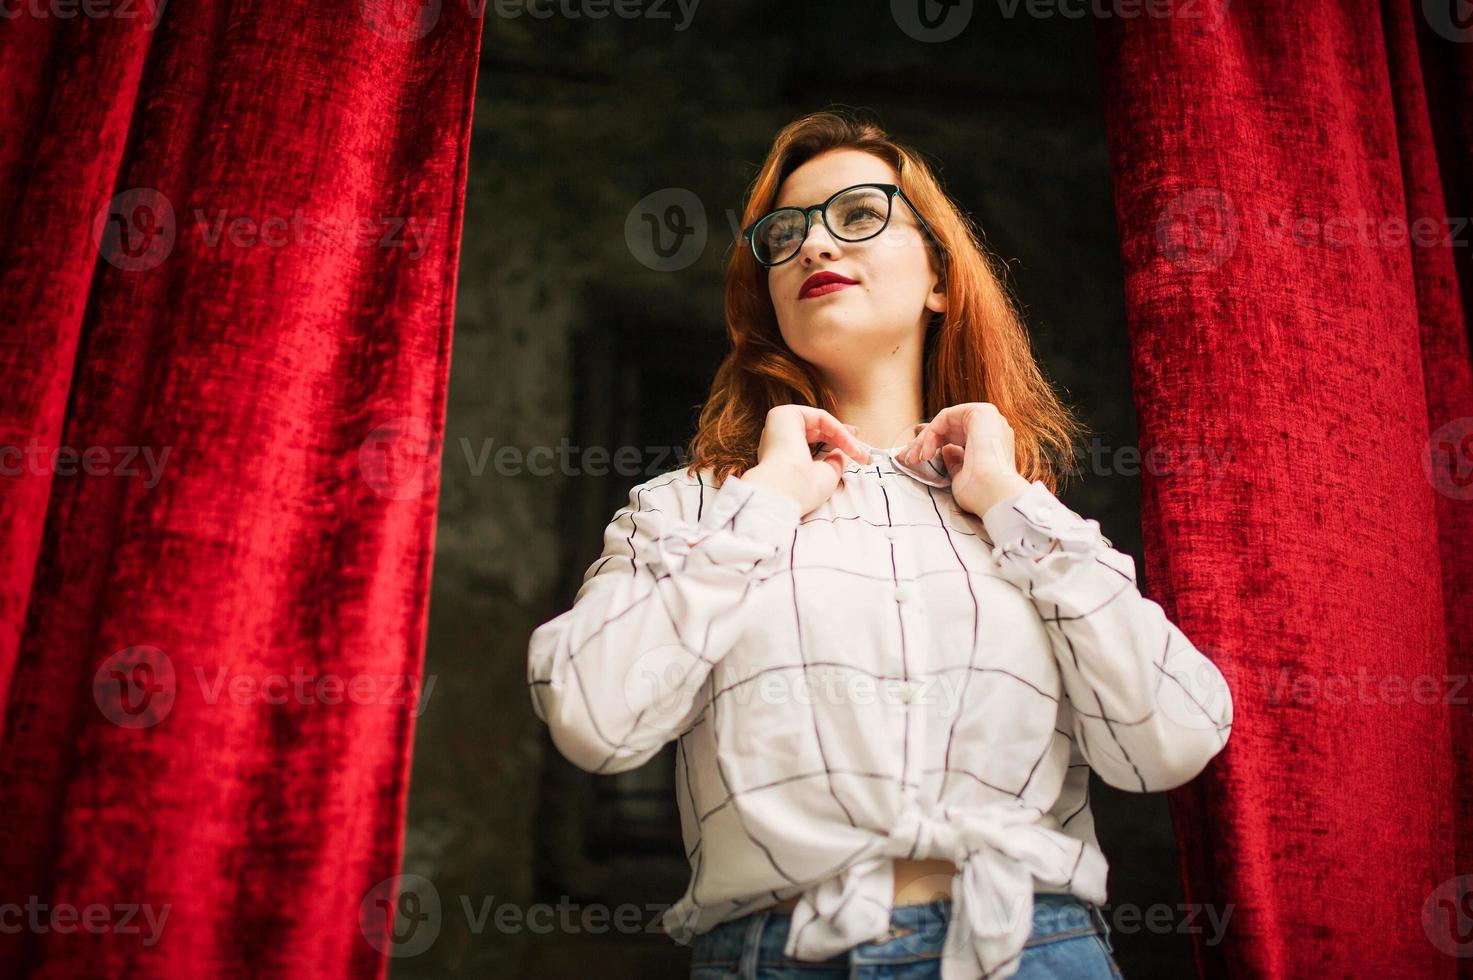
{"x": 851, "y": 215}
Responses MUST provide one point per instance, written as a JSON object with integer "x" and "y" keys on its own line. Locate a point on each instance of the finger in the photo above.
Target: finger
{"x": 953, "y": 424}
{"x": 801, "y": 422}
{"x": 834, "y": 453}
{"x": 953, "y": 456}
{"x": 840, "y": 461}
{"x": 917, "y": 449}
{"x": 937, "y": 431}
{"x": 852, "y": 446}
{"x": 853, "y": 429}
{"x": 822, "y": 426}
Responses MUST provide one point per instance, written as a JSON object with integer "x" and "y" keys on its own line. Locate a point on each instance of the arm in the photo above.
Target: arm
{"x": 618, "y": 675}
{"x": 1149, "y": 709}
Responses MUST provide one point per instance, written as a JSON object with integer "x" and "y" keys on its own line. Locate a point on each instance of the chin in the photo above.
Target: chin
{"x": 840, "y": 344}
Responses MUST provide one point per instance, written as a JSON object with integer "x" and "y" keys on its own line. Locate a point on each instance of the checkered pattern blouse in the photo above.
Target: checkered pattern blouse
{"x": 885, "y": 677}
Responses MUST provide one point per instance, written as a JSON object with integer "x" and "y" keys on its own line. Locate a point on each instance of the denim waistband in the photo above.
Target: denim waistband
{"x": 917, "y": 931}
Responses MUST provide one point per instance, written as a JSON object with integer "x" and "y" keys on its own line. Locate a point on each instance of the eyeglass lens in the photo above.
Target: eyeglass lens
{"x": 853, "y": 216}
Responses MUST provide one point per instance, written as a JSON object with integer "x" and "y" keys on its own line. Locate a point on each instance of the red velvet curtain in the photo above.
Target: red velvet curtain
{"x": 232, "y": 235}
{"x": 1291, "y": 184}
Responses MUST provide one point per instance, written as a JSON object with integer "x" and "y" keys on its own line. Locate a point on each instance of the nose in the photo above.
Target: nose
{"x": 817, "y": 242}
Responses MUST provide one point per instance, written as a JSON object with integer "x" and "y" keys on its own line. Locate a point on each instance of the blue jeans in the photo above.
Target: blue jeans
{"x": 1070, "y": 939}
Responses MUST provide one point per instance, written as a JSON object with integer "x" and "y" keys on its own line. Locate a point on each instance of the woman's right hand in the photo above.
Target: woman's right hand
{"x": 785, "y": 454}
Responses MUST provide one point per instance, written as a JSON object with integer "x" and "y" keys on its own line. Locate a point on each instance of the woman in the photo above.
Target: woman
{"x": 889, "y": 670}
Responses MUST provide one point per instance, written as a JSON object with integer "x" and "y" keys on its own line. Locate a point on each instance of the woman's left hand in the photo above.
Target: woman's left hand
{"x": 976, "y": 444}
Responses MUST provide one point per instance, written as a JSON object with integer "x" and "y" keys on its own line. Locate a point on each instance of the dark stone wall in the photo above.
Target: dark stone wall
{"x": 563, "y": 333}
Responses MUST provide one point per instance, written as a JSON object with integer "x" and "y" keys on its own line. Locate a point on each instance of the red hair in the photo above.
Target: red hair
{"x": 978, "y": 350}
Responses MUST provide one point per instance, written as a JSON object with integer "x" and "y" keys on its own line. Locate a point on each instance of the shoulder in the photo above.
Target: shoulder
{"x": 680, "y": 491}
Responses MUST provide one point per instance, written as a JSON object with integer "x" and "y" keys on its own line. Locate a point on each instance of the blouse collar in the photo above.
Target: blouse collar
{"x": 931, "y": 472}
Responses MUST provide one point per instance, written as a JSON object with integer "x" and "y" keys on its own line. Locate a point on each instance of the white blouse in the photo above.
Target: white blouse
{"x": 884, "y": 677}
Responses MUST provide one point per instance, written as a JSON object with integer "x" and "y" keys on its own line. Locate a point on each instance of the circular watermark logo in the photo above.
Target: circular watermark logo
{"x": 395, "y": 458}
{"x": 658, "y": 689}
{"x": 937, "y": 888}
{"x": 135, "y": 687}
{"x": 1447, "y": 459}
{"x": 1197, "y": 230}
{"x": 932, "y": 21}
{"x": 1194, "y": 696}
{"x": 135, "y": 231}
{"x": 1451, "y": 19}
{"x": 666, "y": 231}
{"x": 403, "y": 21}
{"x": 401, "y": 916}
{"x": 1447, "y": 916}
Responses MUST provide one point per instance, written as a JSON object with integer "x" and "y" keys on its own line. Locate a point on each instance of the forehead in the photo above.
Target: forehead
{"x": 817, "y": 179}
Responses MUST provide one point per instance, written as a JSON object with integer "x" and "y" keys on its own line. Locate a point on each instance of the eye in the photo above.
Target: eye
{"x": 781, "y": 230}
{"x": 861, "y": 212}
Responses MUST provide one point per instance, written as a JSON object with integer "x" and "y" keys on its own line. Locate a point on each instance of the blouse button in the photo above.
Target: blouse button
{"x": 892, "y": 533}
{"x": 904, "y": 592}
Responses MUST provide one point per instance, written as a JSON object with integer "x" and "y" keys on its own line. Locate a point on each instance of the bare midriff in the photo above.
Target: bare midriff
{"x": 915, "y": 882}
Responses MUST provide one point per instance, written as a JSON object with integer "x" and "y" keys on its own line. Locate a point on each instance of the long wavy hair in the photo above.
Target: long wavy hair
{"x": 978, "y": 350}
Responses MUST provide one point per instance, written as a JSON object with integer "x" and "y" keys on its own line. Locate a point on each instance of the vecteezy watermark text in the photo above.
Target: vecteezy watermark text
{"x": 97, "y": 918}
{"x": 38, "y": 460}
{"x": 403, "y": 916}
{"x": 150, "y": 11}
{"x": 936, "y": 21}
{"x": 1201, "y": 228}
{"x": 139, "y": 228}
{"x": 138, "y": 687}
{"x": 1288, "y": 686}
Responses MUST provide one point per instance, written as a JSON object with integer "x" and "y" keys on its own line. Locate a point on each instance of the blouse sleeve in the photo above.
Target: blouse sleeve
{"x": 1149, "y": 709}
{"x": 620, "y": 673}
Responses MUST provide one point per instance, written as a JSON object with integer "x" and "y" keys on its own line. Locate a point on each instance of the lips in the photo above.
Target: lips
{"x": 821, "y": 283}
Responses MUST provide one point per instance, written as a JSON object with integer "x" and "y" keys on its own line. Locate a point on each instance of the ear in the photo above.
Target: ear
{"x": 936, "y": 298}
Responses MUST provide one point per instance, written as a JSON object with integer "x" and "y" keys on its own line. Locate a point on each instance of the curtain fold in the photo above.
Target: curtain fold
{"x": 233, "y": 240}
{"x": 1291, "y": 191}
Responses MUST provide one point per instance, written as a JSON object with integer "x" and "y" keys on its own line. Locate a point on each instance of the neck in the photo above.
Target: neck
{"x": 886, "y": 411}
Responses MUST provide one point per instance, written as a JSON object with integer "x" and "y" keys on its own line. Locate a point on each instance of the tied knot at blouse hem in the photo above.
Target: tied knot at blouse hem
{"x": 999, "y": 851}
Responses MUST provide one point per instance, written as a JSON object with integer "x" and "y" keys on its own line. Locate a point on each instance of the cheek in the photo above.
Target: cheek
{"x": 783, "y": 291}
{"x": 780, "y": 286}
{"x": 898, "y": 268}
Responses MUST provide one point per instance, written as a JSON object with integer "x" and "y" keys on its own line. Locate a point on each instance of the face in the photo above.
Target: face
{"x": 895, "y": 291}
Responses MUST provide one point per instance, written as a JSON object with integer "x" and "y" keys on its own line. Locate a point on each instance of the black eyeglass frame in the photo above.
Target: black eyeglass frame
{"x": 892, "y": 191}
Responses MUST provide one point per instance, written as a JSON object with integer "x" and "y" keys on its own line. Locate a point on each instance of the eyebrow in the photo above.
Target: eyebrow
{"x": 877, "y": 180}
{"x": 826, "y": 196}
